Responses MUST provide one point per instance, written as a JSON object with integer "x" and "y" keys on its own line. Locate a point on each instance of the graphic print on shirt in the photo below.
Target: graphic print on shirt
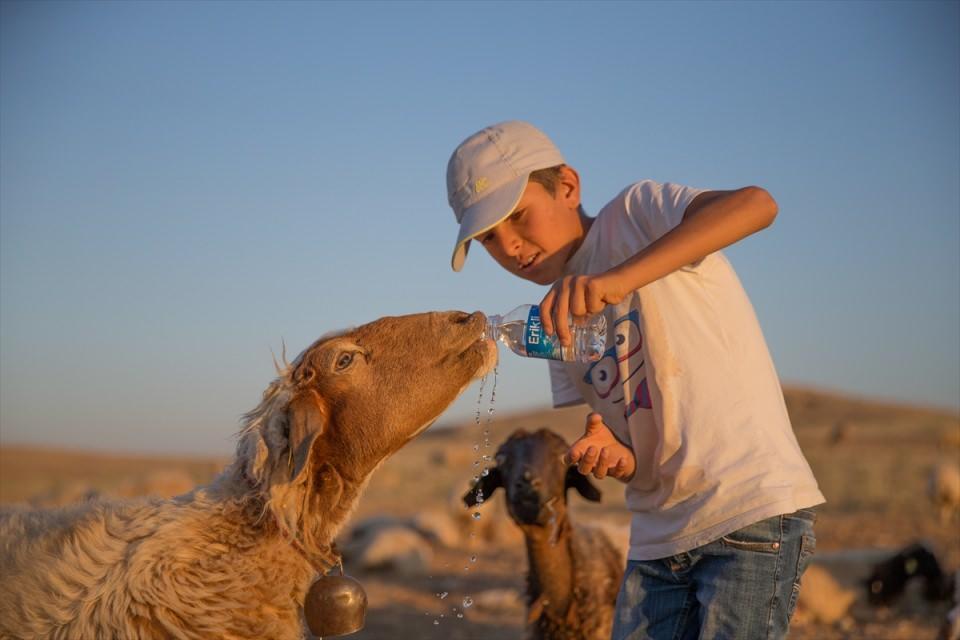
{"x": 621, "y": 362}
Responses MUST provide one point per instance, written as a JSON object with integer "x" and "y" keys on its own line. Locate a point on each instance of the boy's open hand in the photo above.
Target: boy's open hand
{"x": 600, "y": 453}
{"x": 578, "y": 297}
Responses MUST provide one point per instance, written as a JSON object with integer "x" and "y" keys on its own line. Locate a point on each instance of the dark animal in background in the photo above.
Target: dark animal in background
{"x": 889, "y": 578}
{"x": 574, "y": 571}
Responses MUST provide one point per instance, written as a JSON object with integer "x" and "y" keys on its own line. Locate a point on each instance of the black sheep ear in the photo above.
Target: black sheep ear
{"x": 486, "y": 485}
{"x": 582, "y": 484}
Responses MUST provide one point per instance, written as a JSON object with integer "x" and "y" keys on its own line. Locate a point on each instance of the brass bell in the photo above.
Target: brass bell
{"x": 335, "y": 606}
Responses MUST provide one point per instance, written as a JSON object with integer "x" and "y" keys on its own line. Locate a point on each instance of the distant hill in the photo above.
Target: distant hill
{"x": 55, "y": 475}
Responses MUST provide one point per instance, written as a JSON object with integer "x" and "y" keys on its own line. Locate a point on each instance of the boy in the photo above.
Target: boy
{"x": 688, "y": 410}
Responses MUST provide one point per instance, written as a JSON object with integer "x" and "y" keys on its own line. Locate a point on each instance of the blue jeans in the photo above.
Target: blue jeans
{"x": 742, "y": 586}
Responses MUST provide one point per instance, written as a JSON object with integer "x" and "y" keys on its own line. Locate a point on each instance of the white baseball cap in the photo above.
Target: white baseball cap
{"x": 487, "y": 174}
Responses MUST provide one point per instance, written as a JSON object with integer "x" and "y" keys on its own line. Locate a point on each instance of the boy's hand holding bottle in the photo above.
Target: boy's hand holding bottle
{"x": 579, "y": 297}
{"x": 600, "y": 453}
{"x": 522, "y": 331}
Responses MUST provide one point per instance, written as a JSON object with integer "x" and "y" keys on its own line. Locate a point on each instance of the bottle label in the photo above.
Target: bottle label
{"x": 537, "y": 343}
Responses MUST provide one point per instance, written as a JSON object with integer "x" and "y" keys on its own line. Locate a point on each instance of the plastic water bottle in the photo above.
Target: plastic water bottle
{"x": 522, "y": 331}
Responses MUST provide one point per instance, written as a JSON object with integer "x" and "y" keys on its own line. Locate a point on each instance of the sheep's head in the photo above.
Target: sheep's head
{"x": 532, "y": 473}
{"x": 352, "y": 399}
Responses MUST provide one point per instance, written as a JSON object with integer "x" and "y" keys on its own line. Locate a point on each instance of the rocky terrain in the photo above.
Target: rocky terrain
{"x": 431, "y": 570}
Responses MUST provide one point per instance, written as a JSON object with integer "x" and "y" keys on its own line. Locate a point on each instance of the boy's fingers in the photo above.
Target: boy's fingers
{"x": 575, "y": 452}
{"x": 604, "y": 459}
{"x": 594, "y": 428}
{"x": 602, "y": 466}
{"x": 625, "y": 469}
{"x": 594, "y": 425}
{"x": 546, "y": 310}
{"x": 589, "y": 460}
{"x": 578, "y": 307}
{"x": 562, "y": 311}
{"x": 594, "y": 296}
{"x": 620, "y": 468}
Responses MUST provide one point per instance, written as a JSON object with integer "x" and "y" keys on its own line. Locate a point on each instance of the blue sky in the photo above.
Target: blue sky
{"x": 186, "y": 186}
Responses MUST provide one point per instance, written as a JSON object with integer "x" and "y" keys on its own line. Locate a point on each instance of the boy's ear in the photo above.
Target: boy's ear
{"x": 582, "y": 484}
{"x": 568, "y": 187}
{"x": 486, "y": 485}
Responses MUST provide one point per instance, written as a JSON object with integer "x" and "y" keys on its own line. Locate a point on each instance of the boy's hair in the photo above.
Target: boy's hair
{"x": 548, "y": 179}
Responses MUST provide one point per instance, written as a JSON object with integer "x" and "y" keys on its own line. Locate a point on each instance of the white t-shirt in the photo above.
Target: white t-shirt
{"x": 688, "y": 383}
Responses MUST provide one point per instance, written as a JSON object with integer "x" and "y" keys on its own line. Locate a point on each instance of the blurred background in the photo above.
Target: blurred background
{"x": 188, "y": 189}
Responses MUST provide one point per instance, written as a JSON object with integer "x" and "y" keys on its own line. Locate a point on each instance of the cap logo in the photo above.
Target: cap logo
{"x": 480, "y": 185}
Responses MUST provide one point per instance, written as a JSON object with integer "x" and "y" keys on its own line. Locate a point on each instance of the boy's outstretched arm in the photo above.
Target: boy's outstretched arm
{"x": 598, "y": 452}
{"x": 712, "y": 221}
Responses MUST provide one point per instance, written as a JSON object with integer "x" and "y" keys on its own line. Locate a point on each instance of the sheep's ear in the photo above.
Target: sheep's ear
{"x": 582, "y": 484}
{"x": 486, "y": 484}
{"x": 306, "y": 421}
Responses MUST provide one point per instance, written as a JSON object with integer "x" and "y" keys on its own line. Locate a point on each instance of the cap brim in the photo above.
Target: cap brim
{"x": 485, "y": 215}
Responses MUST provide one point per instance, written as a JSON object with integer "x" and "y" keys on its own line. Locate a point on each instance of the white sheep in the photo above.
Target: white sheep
{"x": 943, "y": 489}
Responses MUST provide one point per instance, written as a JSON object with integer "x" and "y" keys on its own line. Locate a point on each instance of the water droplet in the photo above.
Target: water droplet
{"x": 483, "y": 382}
{"x": 443, "y": 595}
{"x": 467, "y": 602}
{"x": 473, "y": 558}
{"x": 476, "y": 447}
{"x": 476, "y": 463}
{"x": 476, "y": 478}
{"x": 436, "y": 622}
{"x": 459, "y": 615}
{"x": 485, "y": 472}
{"x": 486, "y": 458}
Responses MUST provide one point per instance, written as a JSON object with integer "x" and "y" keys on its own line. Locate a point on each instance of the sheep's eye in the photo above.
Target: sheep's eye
{"x": 344, "y": 360}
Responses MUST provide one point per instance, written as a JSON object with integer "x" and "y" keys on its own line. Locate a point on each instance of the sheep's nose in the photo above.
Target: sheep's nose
{"x": 531, "y": 480}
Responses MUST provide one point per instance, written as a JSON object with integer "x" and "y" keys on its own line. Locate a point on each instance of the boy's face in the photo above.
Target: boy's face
{"x": 536, "y": 240}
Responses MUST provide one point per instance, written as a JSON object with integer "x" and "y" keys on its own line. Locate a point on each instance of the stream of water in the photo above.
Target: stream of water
{"x": 482, "y": 460}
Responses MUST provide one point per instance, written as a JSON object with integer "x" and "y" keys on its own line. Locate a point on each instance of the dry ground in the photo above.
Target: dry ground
{"x": 871, "y": 461}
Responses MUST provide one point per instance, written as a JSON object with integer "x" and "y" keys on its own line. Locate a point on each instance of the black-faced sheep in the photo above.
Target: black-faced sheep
{"x": 574, "y": 571}
{"x": 235, "y": 559}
